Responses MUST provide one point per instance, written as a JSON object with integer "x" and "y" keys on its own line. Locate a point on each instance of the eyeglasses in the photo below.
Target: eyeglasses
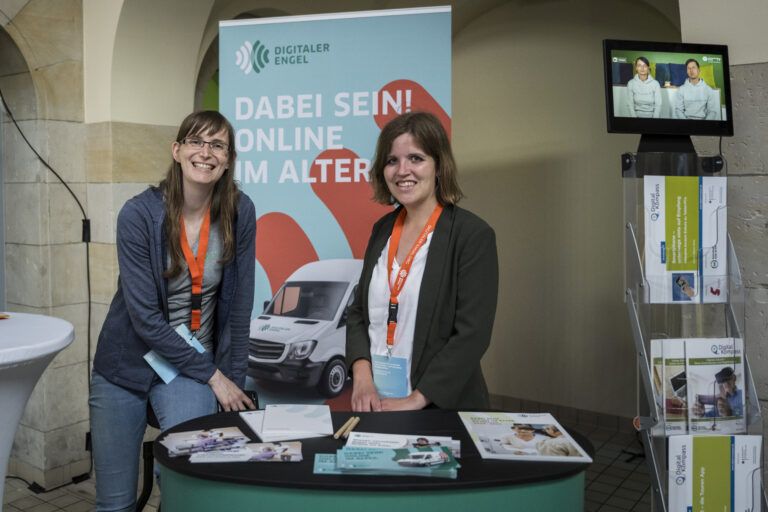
{"x": 218, "y": 148}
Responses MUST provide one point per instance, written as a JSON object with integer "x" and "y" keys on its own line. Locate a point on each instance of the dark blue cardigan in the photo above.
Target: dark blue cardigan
{"x": 137, "y": 320}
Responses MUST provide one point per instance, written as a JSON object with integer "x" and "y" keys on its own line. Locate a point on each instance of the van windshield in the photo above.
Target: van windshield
{"x": 314, "y": 300}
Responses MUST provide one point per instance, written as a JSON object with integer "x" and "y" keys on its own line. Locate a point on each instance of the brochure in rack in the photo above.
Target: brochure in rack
{"x": 521, "y": 436}
{"x": 714, "y": 473}
{"x": 715, "y": 384}
{"x": 685, "y": 238}
{"x": 669, "y": 379}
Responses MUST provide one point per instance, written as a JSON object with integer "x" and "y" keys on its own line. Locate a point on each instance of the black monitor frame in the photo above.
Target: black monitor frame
{"x": 664, "y": 126}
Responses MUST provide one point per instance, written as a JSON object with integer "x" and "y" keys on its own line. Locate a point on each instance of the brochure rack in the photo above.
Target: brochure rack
{"x": 662, "y": 321}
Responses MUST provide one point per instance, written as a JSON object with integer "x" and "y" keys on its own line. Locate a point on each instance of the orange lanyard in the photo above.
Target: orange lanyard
{"x": 196, "y": 267}
{"x": 394, "y": 290}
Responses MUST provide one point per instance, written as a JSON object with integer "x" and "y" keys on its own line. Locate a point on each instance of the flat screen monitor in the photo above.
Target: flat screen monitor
{"x": 667, "y": 88}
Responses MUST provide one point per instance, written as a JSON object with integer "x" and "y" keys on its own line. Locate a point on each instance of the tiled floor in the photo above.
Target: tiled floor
{"x": 616, "y": 481}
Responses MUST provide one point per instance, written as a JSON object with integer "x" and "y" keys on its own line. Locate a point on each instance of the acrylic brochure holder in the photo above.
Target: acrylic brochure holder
{"x": 659, "y": 326}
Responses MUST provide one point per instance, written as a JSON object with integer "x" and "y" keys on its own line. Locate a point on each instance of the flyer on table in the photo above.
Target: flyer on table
{"x": 521, "y": 436}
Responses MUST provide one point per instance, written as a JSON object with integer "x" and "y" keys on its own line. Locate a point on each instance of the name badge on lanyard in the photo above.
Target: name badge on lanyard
{"x": 196, "y": 267}
{"x": 405, "y": 268}
{"x": 390, "y": 374}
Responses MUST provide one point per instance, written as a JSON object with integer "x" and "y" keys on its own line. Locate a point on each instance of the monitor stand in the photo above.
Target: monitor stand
{"x": 650, "y": 143}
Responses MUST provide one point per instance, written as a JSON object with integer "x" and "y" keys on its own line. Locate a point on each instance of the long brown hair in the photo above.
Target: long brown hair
{"x": 431, "y": 137}
{"x": 226, "y": 195}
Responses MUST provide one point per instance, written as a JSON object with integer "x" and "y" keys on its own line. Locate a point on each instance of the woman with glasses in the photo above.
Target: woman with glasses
{"x": 176, "y": 334}
{"x": 423, "y": 312}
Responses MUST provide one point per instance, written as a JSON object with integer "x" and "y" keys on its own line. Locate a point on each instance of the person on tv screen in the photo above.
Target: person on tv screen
{"x": 643, "y": 92}
{"x": 185, "y": 250}
{"x": 423, "y": 312}
{"x": 695, "y": 99}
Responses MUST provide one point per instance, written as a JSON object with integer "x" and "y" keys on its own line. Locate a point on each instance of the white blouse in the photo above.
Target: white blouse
{"x": 408, "y": 300}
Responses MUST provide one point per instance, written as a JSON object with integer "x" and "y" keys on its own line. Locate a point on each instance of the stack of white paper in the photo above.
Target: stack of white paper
{"x": 282, "y": 422}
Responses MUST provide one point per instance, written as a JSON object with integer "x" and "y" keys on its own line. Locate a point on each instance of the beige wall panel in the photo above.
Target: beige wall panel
{"x": 20, "y": 165}
{"x": 54, "y": 29}
{"x": 26, "y": 219}
{"x": 67, "y": 444}
{"x": 60, "y": 88}
{"x": 19, "y": 91}
{"x": 65, "y": 154}
{"x": 103, "y": 273}
{"x": 156, "y": 39}
{"x": 77, "y": 315}
{"x": 68, "y": 277}
{"x": 29, "y": 445}
{"x": 537, "y": 164}
{"x": 65, "y": 215}
{"x": 9, "y": 9}
{"x": 26, "y": 275}
{"x": 98, "y": 152}
{"x": 740, "y": 25}
{"x": 141, "y": 153}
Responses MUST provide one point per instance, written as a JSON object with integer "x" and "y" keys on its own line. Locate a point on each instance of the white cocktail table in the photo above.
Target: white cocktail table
{"x": 28, "y": 343}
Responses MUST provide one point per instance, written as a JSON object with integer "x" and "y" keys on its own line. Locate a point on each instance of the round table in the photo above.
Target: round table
{"x": 28, "y": 343}
{"x": 482, "y": 484}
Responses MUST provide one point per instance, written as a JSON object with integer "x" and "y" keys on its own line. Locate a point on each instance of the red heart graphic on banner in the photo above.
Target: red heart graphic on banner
{"x": 295, "y": 248}
{"x": 347, "y": 195}
{"x": 413, "y": 98}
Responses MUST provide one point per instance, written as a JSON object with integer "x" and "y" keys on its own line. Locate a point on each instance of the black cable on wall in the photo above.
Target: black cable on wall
{"x": 86, "y": 237}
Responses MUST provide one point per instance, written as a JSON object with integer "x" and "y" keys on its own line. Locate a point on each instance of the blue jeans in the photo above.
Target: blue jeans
{"x": 118, "y": 422}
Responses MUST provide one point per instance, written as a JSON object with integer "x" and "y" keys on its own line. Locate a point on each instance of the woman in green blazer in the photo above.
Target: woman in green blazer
{"x": 423, "y": 312}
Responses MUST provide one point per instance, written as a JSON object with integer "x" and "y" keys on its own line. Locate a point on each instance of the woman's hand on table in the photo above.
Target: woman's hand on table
{"x": 412, "y": 402}
{"x": 228, "y": 394}
{"x": 365, "y": 398}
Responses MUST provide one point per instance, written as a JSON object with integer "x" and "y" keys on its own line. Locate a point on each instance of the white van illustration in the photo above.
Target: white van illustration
{"x": 423, "y": 459}
{"x": 301, "y": 335}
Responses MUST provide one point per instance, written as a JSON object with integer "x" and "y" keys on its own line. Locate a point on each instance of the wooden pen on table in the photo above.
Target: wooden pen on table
{"x": 343, "y": 427}
{"x": 354, "y": 423}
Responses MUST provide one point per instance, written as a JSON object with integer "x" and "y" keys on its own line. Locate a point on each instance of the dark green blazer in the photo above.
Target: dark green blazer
{"x": 456, "y": 308}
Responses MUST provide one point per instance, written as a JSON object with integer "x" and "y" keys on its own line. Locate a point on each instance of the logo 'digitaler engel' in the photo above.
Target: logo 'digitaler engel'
{"x": 256, "y": 56}
{"x": 252, "y": 57}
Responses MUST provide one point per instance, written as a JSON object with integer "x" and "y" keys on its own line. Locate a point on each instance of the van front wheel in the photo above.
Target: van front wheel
{"x": 333, "y": 378}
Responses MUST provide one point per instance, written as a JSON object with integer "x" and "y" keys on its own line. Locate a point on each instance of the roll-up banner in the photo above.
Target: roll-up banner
{"x": 307, "y": 96}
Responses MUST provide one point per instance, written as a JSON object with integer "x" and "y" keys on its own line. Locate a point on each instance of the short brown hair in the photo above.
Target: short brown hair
{"x": 431, "y": 137}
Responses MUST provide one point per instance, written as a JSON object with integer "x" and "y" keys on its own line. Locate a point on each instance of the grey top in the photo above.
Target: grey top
{"x": 180, "y": 289}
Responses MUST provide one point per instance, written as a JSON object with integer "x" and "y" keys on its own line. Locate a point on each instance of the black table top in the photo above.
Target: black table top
{"x": 475, "y": 472}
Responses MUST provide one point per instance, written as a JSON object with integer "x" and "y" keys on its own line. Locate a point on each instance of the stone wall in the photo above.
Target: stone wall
{"x": 41, "y": 77}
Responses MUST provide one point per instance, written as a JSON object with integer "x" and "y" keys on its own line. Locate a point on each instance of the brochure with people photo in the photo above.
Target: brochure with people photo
{"x": 393, "y": 441}
{"x": 670, "y": 381}
{"x": 217, "y": 439}
{"x": 715, "y": 384}
{"x": 253, "y": 452}
{"x": 521, "y": 436}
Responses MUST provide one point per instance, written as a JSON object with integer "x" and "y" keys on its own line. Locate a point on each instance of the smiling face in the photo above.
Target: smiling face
{"x": 410, "y": 174}
{"x": 201, "y": 166}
